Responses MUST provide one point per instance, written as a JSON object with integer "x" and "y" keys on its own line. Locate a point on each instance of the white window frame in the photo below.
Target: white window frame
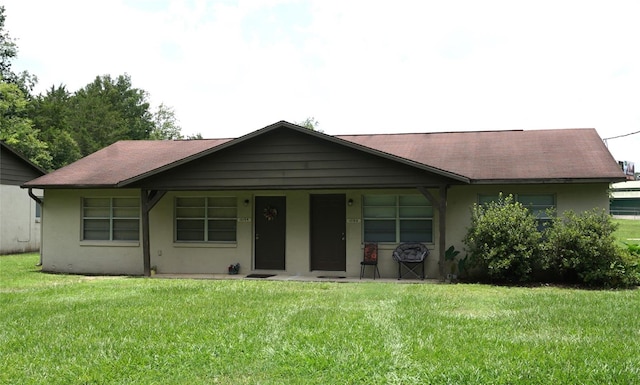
{"x": 398, "y": 218}
{"x": 209, "y": 206}
{"x": 538, "y": 210}
{"x": 113, "y": 214}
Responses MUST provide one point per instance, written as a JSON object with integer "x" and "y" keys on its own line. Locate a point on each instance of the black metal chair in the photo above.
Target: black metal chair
{"x": 411, "y": 256}
{"x": 370, "y": 259}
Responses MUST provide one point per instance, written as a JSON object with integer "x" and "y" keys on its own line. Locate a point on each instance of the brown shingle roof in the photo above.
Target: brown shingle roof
{"x": 122, "y": 161}
{"x": 482, "y": 157}
{"x": 504, "y": 155}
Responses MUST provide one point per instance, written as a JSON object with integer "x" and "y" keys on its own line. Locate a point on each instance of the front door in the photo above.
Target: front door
{"x": 270, "y": 230}
{"x": 328, "y": 227}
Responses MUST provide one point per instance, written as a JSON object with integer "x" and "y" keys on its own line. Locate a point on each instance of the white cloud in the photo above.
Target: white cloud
{"x": 229, "y": 68}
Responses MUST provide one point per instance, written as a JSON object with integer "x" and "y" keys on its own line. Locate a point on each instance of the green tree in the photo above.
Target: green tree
{"x": 581, "y": 248}
{"x": 165, "y": 124}
{"x": 310, "y": 123}
{"x": 109, "y": 110}
{"x": 50, "y": 114}
{"x": 16, "y": 129}
{"x": 503, "y": 240}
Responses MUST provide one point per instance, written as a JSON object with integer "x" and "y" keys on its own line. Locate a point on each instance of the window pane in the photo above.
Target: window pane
{"x": 96, "y": 212}
{"x": 413, "y": 200}
{"x": 126, "y": 212}
{"x": 416, "y": 212}
{"x": 190, "y": 202}
{"x": 126, "y": 229}
{"x": 126, "y": 202}
{"x": 379, "y": 212}
{"x": 96, "y": 229}
{"x": 222, "y": 231}
{"x": 484, "y": 199}
{"x": 379, "y": 231}
{"x": 189, "y": 230}
{"x": 96, "y": 202}
{"x": 537, "y": 200}
{"x": 192, "y": 212}
{"x": 416, "y": 231}
{"x": 218, "y": 212}
{"x": 222, "y": 202}
{"x": 380, "y": 200}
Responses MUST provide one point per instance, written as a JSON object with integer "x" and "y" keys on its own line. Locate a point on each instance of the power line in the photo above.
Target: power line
{"x": 621, "y": 136}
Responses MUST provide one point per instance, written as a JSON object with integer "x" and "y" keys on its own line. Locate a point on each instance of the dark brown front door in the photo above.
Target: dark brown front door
{"x": 270, "y": 230}
{"x": 328, "y": 226}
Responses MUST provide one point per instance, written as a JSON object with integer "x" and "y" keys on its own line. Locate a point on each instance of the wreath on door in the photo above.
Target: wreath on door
{"x": 270, "y": 213}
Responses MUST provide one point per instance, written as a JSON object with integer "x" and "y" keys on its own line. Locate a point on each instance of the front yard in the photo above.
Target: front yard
{"x": 628, "y": 231}
{"x": 60, "y": 329}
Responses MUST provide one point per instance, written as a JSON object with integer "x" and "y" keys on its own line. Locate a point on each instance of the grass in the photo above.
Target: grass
{"x": 628, "y": 230}
{"x": 61, "y": 329}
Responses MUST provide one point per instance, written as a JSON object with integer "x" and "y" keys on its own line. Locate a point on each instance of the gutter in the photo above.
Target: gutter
{"x": 34, "y": 197}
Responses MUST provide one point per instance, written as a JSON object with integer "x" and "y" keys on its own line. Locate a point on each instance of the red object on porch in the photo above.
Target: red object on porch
{"x": 370, "y": 259}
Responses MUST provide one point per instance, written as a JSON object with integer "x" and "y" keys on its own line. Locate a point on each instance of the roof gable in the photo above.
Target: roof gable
{"x": 15, "y": 168}
{"x": 285, "y": 158}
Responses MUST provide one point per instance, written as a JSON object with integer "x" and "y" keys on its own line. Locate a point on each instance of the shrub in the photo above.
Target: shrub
{"x": 503, "y": 240}
{"x": 581, "y": 248}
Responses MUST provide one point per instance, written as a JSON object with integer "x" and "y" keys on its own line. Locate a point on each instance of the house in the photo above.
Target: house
{"x": 19, "y": 214}
{"x": 625, "y": 199}
{"x": 288, "y": 200}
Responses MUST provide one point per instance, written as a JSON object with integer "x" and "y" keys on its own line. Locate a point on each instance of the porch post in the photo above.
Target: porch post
{"x": 148, "y": 198}
{"x": 440, "y": 204}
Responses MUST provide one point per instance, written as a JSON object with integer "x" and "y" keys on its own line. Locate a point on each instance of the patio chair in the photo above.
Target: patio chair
{"x": 411, "y": 256}
{"x": 370, "y": 258}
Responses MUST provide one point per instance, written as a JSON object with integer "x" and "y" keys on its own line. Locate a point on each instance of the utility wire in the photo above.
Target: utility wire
{"x": 621, "y": 136}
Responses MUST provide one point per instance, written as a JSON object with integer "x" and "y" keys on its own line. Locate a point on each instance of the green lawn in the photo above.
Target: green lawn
{"x": 628, "y": 231}
{"x": 59, "y": 329}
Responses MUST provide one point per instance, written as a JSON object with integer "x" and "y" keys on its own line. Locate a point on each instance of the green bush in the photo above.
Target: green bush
{"x": 503, "y": 240}
{"x": 581, "y": 248}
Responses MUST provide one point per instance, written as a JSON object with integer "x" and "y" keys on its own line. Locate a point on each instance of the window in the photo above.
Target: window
{"x": 39, "y": 210}
{"x": 202, "y": 219}
{"x": 538, "y": 204}
{"x": 111, "y": 219}
{"x": 397, "y": 218}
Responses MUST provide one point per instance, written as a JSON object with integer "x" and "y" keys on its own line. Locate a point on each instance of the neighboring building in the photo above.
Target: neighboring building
{"x": 289, "y": 200}
{"x": 625, "y": 199}
{"x": 19, "y": 213}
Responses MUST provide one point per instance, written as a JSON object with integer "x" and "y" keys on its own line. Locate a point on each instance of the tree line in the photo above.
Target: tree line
{"x": 60, "y": 126}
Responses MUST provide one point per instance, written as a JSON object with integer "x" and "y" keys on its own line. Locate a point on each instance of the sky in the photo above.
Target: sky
{"x": 228, "y": 68}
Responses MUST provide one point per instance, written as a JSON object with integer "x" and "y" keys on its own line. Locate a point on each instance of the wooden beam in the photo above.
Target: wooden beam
{"x": 440, "y": 203}
{"x": 443, "y": 230}
{"x": 148, "y": 198}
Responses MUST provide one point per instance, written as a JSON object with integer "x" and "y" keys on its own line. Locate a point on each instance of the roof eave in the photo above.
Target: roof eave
{"x": 69, "y": 186}
{"x": 546, "y": 180}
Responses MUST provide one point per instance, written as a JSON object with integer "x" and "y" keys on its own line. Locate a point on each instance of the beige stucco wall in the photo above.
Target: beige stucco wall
{"x": 64, "y": 251}
{"x": 576, "y": 197}
{"x": 201, "y": 258}
{"x": 19, "y": 227}
{"x": 62, "y": 248}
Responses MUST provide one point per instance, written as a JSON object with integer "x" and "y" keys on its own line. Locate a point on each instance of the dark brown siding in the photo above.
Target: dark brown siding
{"x": 287, "y": 159}
{"x": 15, "y": 170}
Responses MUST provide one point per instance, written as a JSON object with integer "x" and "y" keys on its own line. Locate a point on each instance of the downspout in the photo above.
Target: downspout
{"x": 40, "y": 202}
{"x": 34, "y": 197}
